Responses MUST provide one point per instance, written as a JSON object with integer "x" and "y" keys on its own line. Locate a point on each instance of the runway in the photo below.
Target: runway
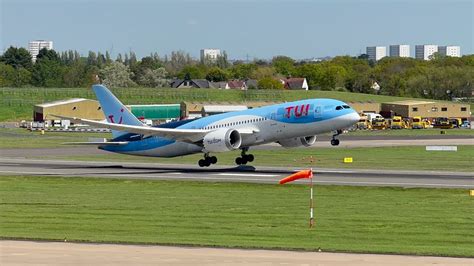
{"x": 267, "y": 175}
{"x": 56, "y": 253}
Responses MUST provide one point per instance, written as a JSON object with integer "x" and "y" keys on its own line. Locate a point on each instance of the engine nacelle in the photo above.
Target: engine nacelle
{"x": 297, "y": 142}
{"x": 222, "y": 140}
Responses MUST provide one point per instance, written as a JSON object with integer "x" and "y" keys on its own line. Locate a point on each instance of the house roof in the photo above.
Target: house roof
{"x": 236, "y": 84}
{"x": 200, "y": 83}
{"x": 410, "y": 102}
{"x": 294, "y": 83}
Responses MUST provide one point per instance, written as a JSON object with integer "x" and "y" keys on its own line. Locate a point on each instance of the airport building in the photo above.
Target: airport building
{"x": 77, "y": 107}
{"x": 376, "y": 53}
{"x": 155, "y": 112}
{"x": 426, "y": 109}
{"x": 365, "y": 107}
{"x": 208, "y": 54}
{"x": 400, "y": 50}
{"x": 35, "y": 46}
{"x": 425, "y": 51}
{"x": 453, "y": 51}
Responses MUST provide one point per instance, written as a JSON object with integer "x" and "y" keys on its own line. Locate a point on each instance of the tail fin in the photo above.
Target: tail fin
{"x": 114, "y": 110}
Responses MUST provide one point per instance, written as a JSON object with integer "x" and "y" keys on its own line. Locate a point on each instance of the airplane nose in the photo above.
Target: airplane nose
{"x": 355, "y": 117}
{"x": 352, "y": 118}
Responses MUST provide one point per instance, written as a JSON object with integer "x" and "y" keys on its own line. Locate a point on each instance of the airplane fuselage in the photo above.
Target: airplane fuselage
{"x": 262, "y": 125}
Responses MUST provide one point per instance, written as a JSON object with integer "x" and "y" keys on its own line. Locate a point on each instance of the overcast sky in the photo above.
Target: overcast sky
{"x": 258, "y": 29}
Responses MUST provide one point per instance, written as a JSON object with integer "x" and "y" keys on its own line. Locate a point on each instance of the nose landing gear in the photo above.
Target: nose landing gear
{"x": 245, "y": 158}
{"x": 207, "y": 161}
{"x": 334, "y": 141}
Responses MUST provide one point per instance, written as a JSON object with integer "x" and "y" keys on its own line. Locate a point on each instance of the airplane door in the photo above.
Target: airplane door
{"x": 318, "y": 112}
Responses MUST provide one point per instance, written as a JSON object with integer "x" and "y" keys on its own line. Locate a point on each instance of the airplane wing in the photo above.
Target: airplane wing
{"x": 186, "y": 135}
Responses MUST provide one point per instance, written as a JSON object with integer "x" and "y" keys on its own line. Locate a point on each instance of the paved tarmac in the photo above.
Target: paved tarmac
{"x": 57, "y": 253}
{"x": 153, "y": 171}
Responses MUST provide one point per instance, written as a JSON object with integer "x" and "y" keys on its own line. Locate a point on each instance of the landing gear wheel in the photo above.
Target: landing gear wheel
{"x": 213, "y": 159}
{"x": 238, "y": 161}
{"x": 249, "y": 157}
{"x": 207, "y": 161}
{"x": 334, "y": 142}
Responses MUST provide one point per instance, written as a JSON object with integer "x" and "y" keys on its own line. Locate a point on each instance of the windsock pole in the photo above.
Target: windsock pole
{"x": 311, "y": 202}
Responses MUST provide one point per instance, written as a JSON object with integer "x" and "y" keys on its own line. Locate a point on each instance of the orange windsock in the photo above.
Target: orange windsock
{"x": 298, "y": 175}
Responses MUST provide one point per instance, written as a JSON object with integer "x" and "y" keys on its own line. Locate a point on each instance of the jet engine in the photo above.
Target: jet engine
{"x": 222, "y": 140}
{"x": 297, "y": 142}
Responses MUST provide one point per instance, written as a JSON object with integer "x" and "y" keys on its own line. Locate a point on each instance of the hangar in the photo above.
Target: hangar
{"x": 155, "y": 112}
{"x": 426, "y": 109}
{"x": 365, "y": 107}
{"x": 77, "y": 107}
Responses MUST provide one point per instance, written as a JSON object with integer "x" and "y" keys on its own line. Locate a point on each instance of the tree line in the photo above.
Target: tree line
{"x": 440, "y": 78}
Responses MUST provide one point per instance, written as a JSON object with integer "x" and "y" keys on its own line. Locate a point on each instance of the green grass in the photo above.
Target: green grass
{"x": 401, "y": 158}
{"x": 350, "y": 219}
{"x": 17, "y": 103}
{"x": 22, "y": 138}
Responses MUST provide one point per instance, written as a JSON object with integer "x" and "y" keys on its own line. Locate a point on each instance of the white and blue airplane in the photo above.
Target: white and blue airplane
{"x": 291, "y": 124}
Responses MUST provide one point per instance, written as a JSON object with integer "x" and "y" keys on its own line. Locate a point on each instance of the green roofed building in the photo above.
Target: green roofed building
{"x": 156, "y": 111}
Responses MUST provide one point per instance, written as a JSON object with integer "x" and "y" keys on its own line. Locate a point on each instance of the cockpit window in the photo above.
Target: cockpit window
{"x": 338, "y": 107}
{"x": 346, "y": 107}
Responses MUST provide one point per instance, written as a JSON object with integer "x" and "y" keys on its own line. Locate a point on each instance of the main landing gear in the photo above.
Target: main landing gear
{"x": 207, "y": 161}
{"x": 245, "y": 158}
{"x": 334, "y": 141}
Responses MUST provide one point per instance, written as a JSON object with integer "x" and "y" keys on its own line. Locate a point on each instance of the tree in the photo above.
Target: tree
{"x": 17, "y": 57}
{"x": 222, "y": 61}
{"x": 243, "y": 71}
{"x": 47, "y": 71}
{"x": 193, "y": 72}
{"x": 177, "y": 62}
{"x": 119, "y": 58}
{"x": 92, "y": 59}
{"x": 116, "y": 75}
{"x": 155, "y": 78}
{"x": 216, "y": 74}
{"x": 48, "y": 54}
{"x": 263, "y": 72}
{"x": 283, "y": 65}
{"x": 269, "y": 84}
{"x": 7, "y": 75}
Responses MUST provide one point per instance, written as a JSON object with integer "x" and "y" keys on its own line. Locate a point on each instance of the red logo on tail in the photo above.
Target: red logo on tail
{"x": 111, "y": 118}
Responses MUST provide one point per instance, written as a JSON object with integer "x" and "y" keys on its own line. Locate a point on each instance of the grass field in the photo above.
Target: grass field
{"x": 352, "y": 219}
{"x": 21, "y": 138}
{"x": 17, "y": 103}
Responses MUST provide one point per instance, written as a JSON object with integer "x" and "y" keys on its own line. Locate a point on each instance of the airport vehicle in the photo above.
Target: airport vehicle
{"x": 419, "y": 123}
{"x": 466, "y": 124}
{"x": 363, "y": 123}
{"x": 398, "y": 123}
{"x": 455, "y": 122}
{"x": 442, "y": 122}
{"x": 379, "y": 123}
{"x": 292, "y": 124}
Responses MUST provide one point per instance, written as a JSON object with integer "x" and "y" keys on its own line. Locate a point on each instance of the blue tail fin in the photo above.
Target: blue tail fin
{"x": 114, "y": 110}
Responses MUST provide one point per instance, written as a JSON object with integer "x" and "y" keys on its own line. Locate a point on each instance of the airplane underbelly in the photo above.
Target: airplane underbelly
{"x": 167, "y": 151}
